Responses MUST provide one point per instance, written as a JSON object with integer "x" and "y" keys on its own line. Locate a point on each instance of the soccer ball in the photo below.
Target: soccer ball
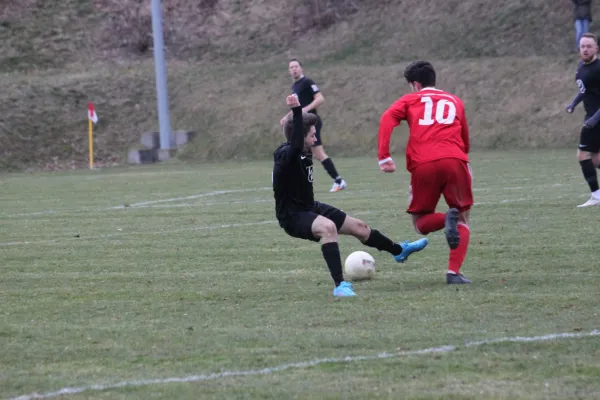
{"x": 359, "y": 266}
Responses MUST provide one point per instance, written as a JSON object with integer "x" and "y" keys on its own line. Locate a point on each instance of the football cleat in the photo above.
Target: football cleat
{"x": 338, "y": 186}
{"x": 409, "y": 248}
{"x": 344, "y": 290}
{"x": 456, "y": 279}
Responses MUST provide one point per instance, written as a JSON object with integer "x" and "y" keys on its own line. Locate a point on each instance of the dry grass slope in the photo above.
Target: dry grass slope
{"x": 510, "y": 60}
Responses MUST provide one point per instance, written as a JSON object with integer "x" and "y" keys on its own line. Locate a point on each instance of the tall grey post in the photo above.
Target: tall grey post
{"x": 162, "y": 96}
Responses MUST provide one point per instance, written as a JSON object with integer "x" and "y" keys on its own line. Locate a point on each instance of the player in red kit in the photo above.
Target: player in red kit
{"x": 436, "y": 157}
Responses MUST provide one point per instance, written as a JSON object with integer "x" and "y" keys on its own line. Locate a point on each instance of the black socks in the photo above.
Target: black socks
{"x": 331, "y": 253}
{"x": 589, "y": 173}
{"x": 381, "y": 242}
{"x": 330, "y": 168}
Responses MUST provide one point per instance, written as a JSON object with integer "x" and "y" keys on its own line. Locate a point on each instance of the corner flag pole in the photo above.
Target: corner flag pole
{"x": 92, "y": 119}
{"x": 91, "y": 140}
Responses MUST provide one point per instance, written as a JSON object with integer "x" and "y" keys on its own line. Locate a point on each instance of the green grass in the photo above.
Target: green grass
{"x": 93, "y": 295}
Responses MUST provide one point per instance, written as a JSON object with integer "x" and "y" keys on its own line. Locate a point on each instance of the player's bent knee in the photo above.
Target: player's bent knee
{"x": 324, "y": 227}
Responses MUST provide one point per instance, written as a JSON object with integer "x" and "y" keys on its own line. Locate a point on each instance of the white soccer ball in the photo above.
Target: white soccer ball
{"x": 359, "y": 266}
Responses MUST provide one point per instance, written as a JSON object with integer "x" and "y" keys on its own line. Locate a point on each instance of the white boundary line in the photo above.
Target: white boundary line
{"x": 138, "y": 204}
{"x": 113, "y": 235}
{"x": 159, "y": 203}
{"x": 299, "y": 365}
{"x": 121, "y": 234}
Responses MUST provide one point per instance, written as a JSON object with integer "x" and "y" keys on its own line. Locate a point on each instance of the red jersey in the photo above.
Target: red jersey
{"x": 437, "y": 124}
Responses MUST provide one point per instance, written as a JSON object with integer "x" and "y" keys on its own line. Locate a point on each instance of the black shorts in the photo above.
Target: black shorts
{"x": 318, "y": 127}
{"x": 589, "y": 140}
{"x": 298, "y": 224}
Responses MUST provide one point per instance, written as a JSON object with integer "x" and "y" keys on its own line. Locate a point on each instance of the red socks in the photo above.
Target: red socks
{"x": 430, "y": 223}
{"x": 457, "y": 256}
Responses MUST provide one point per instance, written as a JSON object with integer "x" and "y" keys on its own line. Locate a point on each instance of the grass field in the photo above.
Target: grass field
{"x": 119, "y": 277}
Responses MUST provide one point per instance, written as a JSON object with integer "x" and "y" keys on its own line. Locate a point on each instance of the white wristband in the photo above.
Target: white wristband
{"x": 381, "y": 162}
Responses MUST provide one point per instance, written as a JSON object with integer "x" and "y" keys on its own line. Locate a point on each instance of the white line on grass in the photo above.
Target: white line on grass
{"x": 192, "y": 197}
{"x": 138, "y": 204}
{"x": 299, "y": 365}
{"x": 113, "y": 235}
{"x": 121, "y": 234}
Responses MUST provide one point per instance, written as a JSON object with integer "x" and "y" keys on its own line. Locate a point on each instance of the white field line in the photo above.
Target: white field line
{"x": 192, "y": 197}
{"x": 140, "y": 204}
{"x": 107, "y": 236}
{"x": 160, "y": 203}
{"x": 121, "y": 234}
{"x": 300, "y": 365}
{"x": 197, "y": 228}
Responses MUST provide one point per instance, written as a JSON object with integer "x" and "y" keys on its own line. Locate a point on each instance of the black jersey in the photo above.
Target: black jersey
{"x": 588, "y": 81}
{"x": 305, "y": 89}
{"x": 293, "y": 173}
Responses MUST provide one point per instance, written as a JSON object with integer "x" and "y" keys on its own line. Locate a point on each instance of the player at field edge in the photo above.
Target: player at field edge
{"x": 437, "y": 159}
{"x": 310, "y": 97}
{"x": 587, "y": 78}
{"x": 302, "y": 217}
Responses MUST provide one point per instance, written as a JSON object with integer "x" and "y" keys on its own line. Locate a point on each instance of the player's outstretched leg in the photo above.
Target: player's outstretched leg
{"x": 459, "y": 253}
{"x": 374, "y": 238}
{"x": 326, "y": 230}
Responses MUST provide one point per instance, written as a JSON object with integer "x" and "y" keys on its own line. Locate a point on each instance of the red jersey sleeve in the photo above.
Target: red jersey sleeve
{"x": 390, "y": 119}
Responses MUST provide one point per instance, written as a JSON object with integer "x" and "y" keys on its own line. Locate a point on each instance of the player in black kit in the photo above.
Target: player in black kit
{"x": 310, "y": 98}
{"x": 588, "y": 82}
{"x": 302, "y": 217}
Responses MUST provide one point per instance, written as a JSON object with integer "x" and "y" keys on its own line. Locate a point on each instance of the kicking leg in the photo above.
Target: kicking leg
{"x": 326, "y": 230}
{"x": 374, "y": 238}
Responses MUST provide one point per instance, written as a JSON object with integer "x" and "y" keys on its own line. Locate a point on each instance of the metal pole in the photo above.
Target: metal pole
{"x": 162, "y": 96}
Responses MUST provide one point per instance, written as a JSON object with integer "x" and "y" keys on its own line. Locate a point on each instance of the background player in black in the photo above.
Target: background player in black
{"x": 588, "y": 82}
{"x": 302, "y": 217}
{"x": 310, "y": 98}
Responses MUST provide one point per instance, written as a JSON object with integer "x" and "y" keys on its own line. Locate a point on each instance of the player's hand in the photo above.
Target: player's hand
{"x": 388, "y": 166}
{"x": 283, "y": 120}
{"x": 292, "y": 101}
{"x": 569, "y": 109}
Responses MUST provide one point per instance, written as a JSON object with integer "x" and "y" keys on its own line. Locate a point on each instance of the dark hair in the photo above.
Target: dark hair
{"x": 295, "y": 59}
{"x": 420, "y": 71}
{"x": 591, "y": 36}
{"x": 308, "y": 120}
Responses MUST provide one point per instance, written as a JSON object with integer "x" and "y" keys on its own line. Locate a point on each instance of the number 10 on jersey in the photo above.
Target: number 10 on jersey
{"x": 442, "y": 107}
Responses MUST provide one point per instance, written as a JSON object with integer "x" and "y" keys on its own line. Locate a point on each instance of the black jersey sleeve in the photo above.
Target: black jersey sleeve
{"x": 297, "y": 140}
{"x": 312, "y": 85}
{"x": 289, "y": 153}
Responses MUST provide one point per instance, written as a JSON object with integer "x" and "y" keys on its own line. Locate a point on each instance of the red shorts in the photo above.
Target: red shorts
{"x": 450, "y": 177}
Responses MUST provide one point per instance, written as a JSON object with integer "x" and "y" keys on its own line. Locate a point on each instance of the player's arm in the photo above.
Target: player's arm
{"x": 593, "y": 120}
{"x": 319, "y": 99}
{"x": 574, "y": 103}
{"x": 318, "y": 96}
{"x": 390, "y": 119}
{"x": 297, "y": 137}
